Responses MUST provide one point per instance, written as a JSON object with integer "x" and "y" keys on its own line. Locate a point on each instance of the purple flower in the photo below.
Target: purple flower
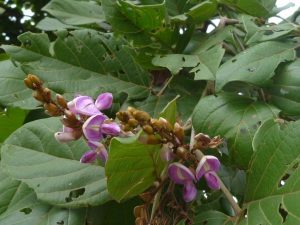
{"x": 180, "y": 174}
{"x": 98, "y": 150}
{"x": 97, "y": 125}
{"x": 68, "y": 134}
{"x": 207, "y": 167}
{"x": 85, "y": 105}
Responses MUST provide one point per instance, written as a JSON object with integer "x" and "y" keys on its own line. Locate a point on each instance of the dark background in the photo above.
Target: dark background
{"x": 11, "y": 15}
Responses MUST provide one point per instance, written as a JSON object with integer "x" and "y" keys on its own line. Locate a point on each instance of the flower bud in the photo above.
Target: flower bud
{"x": 33, "y": 82}
{"x": 150, "y": 139}
{"x": 71, "y": 116}
{"x": 148, "y": 129}
{"x": 61, "y": 101}
{"x": 156, "y": 124}
{"x": 166, "y": 124}
{"x": 141, "y": 116}
{"x": 131, "y": 110}
{"x": 133, "y": 122}
{"x": 38, "y": 96}
{"x": 123, "y": 116}
{"x": 179, "y": 132}
{"x": 104, "y": 101}
{"x": 47, "y": 95}
{"x": 52, "y": 109}
{"x": 181, "y": 152}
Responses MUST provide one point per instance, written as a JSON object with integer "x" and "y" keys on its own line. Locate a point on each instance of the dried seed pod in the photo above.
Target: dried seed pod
{"x": 148, "y": 129}
{"x": 61, "y": 101}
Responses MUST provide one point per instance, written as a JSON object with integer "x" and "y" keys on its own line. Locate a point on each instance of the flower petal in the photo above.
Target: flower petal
{"x": 212, "y": 180}
{"x": 100, "y": 149}
{"x": 92, "y": 127}
{"x": 189, "y": 191}
{"x": 180, "y": 174}
{"x": 166, "y": 153}
{"x": 104, "y": 101}
{"x": 200, "y": 170}
{"x": 89, "y": 157}
{"x": 68, "y": 134}
{"x": 111, "y": 128}
{"x": 83, "y": 105}
{"x": 213, "y": 162}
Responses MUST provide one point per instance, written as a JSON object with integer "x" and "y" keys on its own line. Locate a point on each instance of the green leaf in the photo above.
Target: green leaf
{"x": 146, "y": 25}
{"x": 209, "y": 63}
{"x": 284, "y": 92}
{"x": 25, "y": 209}
{"x": 255, "y": 65}
{"x": 12, "y": 89}
{"x": 8, "y": 188}
{"x": 175, "y": 62}
{"x": 32, "y": 155}
{"x": 75, "y": 12}
{"x": 132, "y": 167}
{"x": 205, "y": 64}
{"x": 236, "y": 118}
{"x": 170, "y": 111}
{"x": 273, "y": 188}
{"x": 51, "y": 24}
{"x": 213, "y": 218}
{"x": 272, "y": 32}
{"x": 203, "y": 11}
{"x": 10, "y": 120}
{"x": 82, "y": 61}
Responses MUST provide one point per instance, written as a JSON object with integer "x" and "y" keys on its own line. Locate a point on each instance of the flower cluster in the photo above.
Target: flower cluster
{"x": 207, "y": 167}
{"x": 93, "y": 125}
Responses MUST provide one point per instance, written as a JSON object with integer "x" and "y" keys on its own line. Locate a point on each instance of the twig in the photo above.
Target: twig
{"x": 165, "y": 86}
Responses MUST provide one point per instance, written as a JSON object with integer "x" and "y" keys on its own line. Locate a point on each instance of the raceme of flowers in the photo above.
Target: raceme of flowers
{"x": 96, "y": 125}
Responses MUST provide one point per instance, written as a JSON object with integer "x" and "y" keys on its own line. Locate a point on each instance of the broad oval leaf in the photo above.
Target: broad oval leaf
{"x": 12, "y": 88}
{"x": 132, "y": 167}
{"x": 82, "y": 61}
{"x": 75, "y": 12}
{"x": 235, "y": 118}
{"x": 284, "y": 92}
{"x": 255, "y": 65}
{"x": 273, "y": 188}
{"x": 32, "y": 155}
{"x": 25, "y": 209}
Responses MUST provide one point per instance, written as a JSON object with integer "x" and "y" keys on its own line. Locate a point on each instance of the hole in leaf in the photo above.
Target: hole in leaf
{"x": 75, "y": 194}
{"x": 283, "y": 213}
{"x": 183, "y": 59}
{"x": 60, "y": 222}
{"x": 288, "y": 174}
{"x": 26, "y": 210}
{"x": 234, "y": 60}
{"x": 268, "y": 32}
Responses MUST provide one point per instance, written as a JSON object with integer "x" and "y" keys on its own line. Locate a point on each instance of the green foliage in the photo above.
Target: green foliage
{"x": 240, "y": 82}
{"x": 132, "y": 167}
